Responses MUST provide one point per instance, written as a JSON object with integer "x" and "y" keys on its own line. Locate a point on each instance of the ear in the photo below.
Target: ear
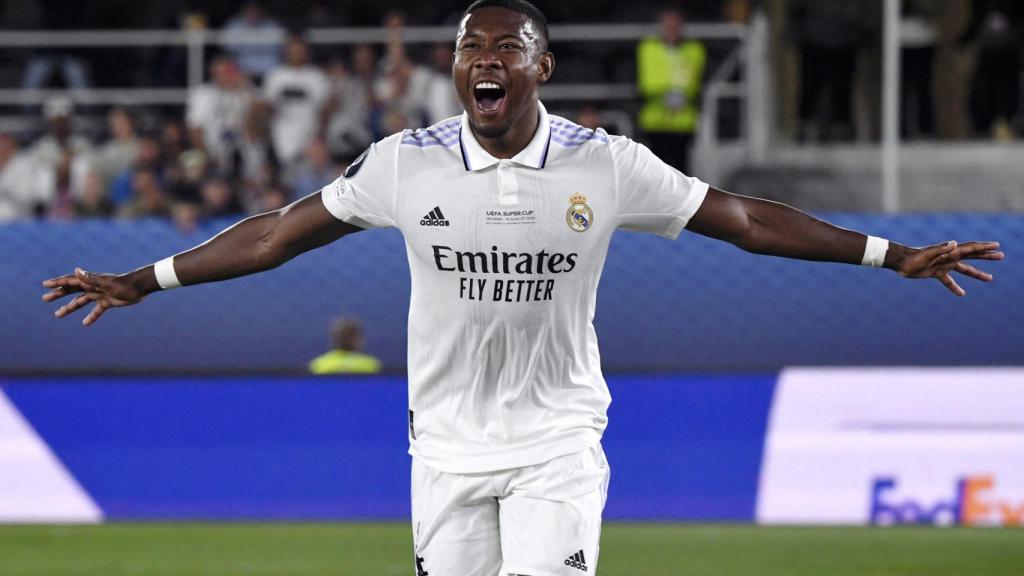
{"x": 547, "y": 67}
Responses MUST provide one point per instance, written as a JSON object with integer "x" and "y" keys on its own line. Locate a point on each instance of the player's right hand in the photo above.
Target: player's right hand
{"x": 106, "y": 290}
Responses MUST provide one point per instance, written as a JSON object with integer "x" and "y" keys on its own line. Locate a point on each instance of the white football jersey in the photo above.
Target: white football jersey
{"x": 505, "y": 257}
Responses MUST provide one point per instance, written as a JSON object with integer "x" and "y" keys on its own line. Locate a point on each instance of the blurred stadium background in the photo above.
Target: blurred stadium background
{"x": 752, "y": 396}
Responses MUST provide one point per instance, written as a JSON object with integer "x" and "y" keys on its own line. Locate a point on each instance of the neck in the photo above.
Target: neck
{"x": 516, "y": 138}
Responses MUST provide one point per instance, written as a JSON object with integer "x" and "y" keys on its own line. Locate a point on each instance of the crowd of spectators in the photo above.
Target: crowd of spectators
{"x": 277, "y": 121}
{"x": 268, "y": 127}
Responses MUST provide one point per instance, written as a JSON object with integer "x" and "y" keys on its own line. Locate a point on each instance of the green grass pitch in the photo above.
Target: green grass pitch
{"x": 385, "y": 549}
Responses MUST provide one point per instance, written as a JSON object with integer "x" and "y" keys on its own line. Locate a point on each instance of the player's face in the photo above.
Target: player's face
{"x": 499, "y": 63}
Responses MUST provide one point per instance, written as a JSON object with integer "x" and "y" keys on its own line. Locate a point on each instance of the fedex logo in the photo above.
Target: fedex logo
{"x": 972, "y": 503}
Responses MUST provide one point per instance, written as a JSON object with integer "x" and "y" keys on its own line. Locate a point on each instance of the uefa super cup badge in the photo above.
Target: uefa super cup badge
{"x": 579, "y": 216}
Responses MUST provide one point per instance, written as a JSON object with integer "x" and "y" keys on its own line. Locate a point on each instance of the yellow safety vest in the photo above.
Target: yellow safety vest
{"x": 670, "y": 80}
{"x": 344, "y": 362}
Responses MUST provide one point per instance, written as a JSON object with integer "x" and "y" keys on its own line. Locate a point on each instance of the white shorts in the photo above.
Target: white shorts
{"x": 541, "y": 520}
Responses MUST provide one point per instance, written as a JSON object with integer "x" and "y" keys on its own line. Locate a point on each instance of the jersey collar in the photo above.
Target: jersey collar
{"x": 535, "y": 154}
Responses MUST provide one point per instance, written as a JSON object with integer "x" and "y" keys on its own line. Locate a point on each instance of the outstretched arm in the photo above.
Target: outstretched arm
{"x": 253, "y": 245}
{"x": 765, "y": 227}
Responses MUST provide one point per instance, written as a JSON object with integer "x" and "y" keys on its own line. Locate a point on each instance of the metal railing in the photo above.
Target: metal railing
{"x": 747, "y": 60}
{"x": 196, "y": 42}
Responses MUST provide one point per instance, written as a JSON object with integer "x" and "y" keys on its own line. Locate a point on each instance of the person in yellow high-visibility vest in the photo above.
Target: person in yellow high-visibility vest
{"x": 345, "y": 356}
{"x": 670, "y": 72}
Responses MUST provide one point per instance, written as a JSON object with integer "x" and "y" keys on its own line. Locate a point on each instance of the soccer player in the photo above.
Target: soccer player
{"x": 507, "y": 213}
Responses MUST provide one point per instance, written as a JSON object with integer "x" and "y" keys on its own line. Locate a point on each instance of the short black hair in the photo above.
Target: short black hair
{"x": 540, "y": 22}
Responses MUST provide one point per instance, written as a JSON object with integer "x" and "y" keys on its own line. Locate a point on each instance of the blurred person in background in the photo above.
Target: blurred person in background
{"x": 149, "y": 199}
{"x": 588, "y": 117}
{"x": 255, "y": 60}
{"x": 995, "y": 97}
{"x": 442, "y": 101}
{"x": 256, "y": 151}
{"x": 298, "y": 91}
{"x": 148, "y": 158}
{"x": 919, "y": 34}
{"x": 317, "y": 169}
{"x": 61, "y": 155}
{"x": 218, "y": 199}
{"x": 403, "y": 86}
{"x": 193, "y": 168}
{"x": 43, "y": 62}
{"x": 24, "y": 190}
{"x": 829, "y": 37}
{"x": 670, "y": 72}
{"x": 346, "y": 355}
{"x": 173, "y": 140}
{"x": 93, "y": 201}
{"x": 274, "y": 197}
{"x": 215, "y": 113}
{"x": 119, "y": 152}
{"x": 352, "y": 103}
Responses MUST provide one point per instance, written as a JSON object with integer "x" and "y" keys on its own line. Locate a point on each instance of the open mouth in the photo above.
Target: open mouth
{"x": 489, "y": 96}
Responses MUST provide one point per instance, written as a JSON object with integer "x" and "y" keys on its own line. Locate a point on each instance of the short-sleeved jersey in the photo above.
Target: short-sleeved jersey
{"x": 505, "y": 257}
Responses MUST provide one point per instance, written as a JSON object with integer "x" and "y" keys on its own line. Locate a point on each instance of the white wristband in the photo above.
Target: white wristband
{"x": 165, "y": 275}
{"x": 874, "y": 252}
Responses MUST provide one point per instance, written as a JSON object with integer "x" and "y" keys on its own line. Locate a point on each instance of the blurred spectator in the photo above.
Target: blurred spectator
{"x": 829, "y": 36}
{"x": 43, "y": 62}
{"x": 93, "y": 201}
{"x": 256, "y": 167}
{"x": 995, "y": 97}
{"x": 403, "y": 87}
{"x": 352, "y": 103}
{"x": 316, "y": 171}
{"x": 60, "y": 155}
{"x": 216, "y": 111}
{"x": 255, "y": 60}
{"x": 298, "y": 91}
{"x": 172, "y": 140}
{"x": 218, "y": 199}
{"x": 24, "y": 191}
{"x": 149, "y": 199}
{"x": 345, "y": 356}
{"x": 192, "y": 169}
{"x": 919, "y": 34}
{"x": 118, "y": 153}
{"x": 588, "y": 117}
{"x": 274, "y": 197}
{"x": 671, "y": 70}
{"x": 442, "y": 100}
{"x": 148, "y": 158}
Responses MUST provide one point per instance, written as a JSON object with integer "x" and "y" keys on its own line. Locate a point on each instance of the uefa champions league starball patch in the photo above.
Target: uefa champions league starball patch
{"x": 579, "y": 216}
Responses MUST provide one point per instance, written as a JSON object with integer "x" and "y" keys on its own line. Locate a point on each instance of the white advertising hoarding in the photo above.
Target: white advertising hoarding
{"x": 895, "y": 446}
{"x": 34, "y": 485}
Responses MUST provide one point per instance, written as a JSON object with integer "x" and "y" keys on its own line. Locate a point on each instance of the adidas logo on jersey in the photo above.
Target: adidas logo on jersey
{"x": 435, "y": 218}
{"x": 577, "y": 561}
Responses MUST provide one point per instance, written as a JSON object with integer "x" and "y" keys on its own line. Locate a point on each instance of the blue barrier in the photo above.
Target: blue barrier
{"x": 316, "y": 449}
{"x": 690, "y": 305}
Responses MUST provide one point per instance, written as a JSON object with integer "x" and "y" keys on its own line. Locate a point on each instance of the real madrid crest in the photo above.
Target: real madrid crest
{"x": 579, "y": 216}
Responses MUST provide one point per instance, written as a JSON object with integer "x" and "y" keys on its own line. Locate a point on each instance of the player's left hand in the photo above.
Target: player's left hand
{"x": 941, "y": 260}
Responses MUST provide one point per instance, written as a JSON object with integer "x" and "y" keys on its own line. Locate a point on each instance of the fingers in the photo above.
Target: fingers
{"x": 58, "y": 293}
{"x": 80, "y": 281}
{"x": 95, "y": 313}
{"x": 75, "y": 305}
{"x": 981, "y": 251}
{"x": 968, "y": 270}
{"x": 942, "y": 254}
{"x": 951, "y": 284}
{"x": 63, "y": 281}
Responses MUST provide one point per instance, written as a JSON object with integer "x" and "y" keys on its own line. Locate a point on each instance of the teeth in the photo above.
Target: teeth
{"x": 487, "y": 86}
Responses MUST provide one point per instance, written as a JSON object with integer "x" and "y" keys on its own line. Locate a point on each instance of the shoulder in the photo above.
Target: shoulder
{"x": 444, "y": 134}
{"x": 569, "y": 134}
